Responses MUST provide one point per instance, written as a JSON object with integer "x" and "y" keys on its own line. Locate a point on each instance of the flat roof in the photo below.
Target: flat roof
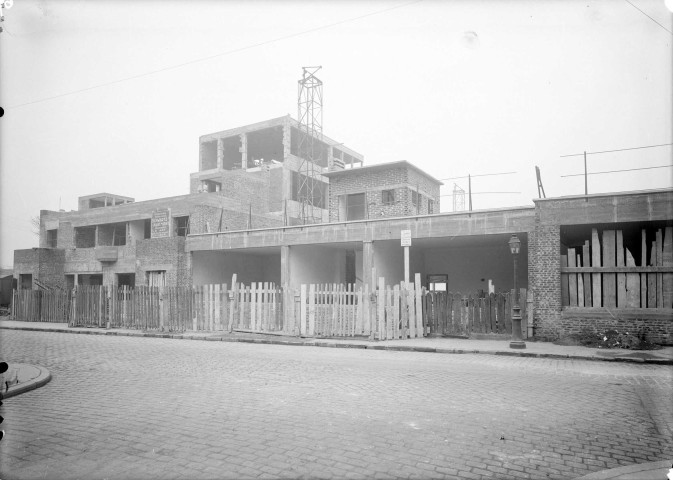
{"x": 382, "y": 166}
{"x": 608, "y": 194}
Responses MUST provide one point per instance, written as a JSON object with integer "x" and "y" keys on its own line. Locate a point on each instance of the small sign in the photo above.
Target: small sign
{"x": 406, "y": 238}
{"x": 161, "y": 223}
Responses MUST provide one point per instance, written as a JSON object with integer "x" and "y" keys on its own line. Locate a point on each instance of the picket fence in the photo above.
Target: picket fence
{"x": 386, "y": 312}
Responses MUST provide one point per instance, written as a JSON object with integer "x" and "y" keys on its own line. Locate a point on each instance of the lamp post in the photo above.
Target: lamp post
{"x": 517, "y": 338}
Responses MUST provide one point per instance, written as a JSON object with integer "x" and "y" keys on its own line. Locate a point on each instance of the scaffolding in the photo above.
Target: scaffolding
{"x": 458, "y": 198}
{"x": 310, "y": 193}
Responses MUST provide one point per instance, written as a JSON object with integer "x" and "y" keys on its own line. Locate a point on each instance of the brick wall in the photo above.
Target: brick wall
{"x": 401, "y": 179}
{"x": 163, "y": 254}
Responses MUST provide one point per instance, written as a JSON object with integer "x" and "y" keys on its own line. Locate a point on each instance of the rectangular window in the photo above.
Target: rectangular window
{"x": 126, "y": 279}
{"x": 147, "y": 229}
{"x": 414, "y": 198}
{"x": 85, "y": 237}
{"x": 52, "y": 238}
{"x": 156, "y": 278}
{"x": 181, "y": 226}
{"x": 388, "y": 197}
{"x": 26, "y": 281}
{"x": 356, "y": 207}
{"x": 429, "y": 206}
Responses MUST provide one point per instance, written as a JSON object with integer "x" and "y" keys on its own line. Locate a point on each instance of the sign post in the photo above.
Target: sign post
{"x": 406, "y": 243}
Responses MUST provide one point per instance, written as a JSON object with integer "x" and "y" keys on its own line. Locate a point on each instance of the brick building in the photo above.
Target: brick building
{"x": 584, "y": 258}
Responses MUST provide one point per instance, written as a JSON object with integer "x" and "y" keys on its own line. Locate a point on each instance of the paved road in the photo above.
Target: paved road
{"x": 126, "y": 407}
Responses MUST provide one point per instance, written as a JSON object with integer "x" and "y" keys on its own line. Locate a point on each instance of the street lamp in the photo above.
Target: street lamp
{"x": 517, "y": 338}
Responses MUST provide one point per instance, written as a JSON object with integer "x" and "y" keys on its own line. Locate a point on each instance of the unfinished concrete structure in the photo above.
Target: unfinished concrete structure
{"x": 243, "y": 217}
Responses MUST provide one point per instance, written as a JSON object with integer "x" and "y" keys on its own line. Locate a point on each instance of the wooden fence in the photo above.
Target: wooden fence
{"x": 390, "y": 312}
{"x": 604, "y": 274}
{"x": 384, "y": 313}
{"x": 456, "y": 314}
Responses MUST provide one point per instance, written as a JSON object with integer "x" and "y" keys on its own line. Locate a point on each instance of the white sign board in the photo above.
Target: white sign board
{"x": 406, "y": 238}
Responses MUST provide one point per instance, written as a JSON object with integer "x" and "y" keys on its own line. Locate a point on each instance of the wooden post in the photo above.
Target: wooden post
{"x": 586, "y": 262}
{"x": 621, "y": 277}
{"x": 302, "y": 309}
{"x": 419, "y": 306}
{"x": 643, "y": 263}
{"x": 609, "y": 279}
{"x": 660, "y": 262}
{"x": 311, "y": 310}
{"x": 381, "y": 313}
{"x": 572, "y": 280}
{"x": 667, "y": 261}
{"x": 596, "y": 289}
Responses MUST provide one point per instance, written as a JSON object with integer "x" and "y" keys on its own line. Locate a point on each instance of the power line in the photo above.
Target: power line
{"x": 478, "y": 193}
{"x": 627, "y": 1}
{"x": 615, "y": 171}
{"x": 619, "y": 150}
{"x": 229, "y": 52}
{"x": 481, "y": 175}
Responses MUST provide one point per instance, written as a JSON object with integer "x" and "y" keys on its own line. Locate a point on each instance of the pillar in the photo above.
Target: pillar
{"x": 367, "y": 263}
{"x": 220, "y": 153}
{"x": 244, "y": 151}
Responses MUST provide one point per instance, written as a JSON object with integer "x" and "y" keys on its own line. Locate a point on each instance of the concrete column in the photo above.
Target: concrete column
{"x": 244, "y": 151}
{"x": 220, "y": 153}
{"x": 285, "y": 266}
{"x": 367, "y": 263}
{"x": 288, "y": 294}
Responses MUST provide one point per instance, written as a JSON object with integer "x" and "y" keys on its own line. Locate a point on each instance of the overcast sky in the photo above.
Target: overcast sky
{"x": 112, "y": 96}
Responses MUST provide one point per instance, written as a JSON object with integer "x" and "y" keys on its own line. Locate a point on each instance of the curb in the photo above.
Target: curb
{"x": 42, "y": 379}
{"x": 641, "y": 470}
{"x": 314, "y": 343}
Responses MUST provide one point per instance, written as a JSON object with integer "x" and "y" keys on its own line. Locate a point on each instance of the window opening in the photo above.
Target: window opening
{"x": 388, "y": 197}
{"x": 52, "y": 238}
{"x": 181, "y": 226}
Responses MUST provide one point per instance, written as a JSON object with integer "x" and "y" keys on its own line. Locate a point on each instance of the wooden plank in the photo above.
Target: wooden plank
{"x": 652, "y": 279}
{"x": 311, "y": 310}
{"x": 253, "y": 306}
{"x": 609, "y": 279}
{"x": 367, "y": 313}
{"x": 572, "y": 279}
{"x": 621, "y": 277}
{"x": 586, "y": 262}
{"x": 396, "y": 311}
{"x": 420, "y": 330}
{"x": 303, "y": 307}
{"x": 660, "y": 262}
{"x": 381, "y": 313}
{"x": 389, "y": 313}
{"x": 404, "y": 316}
{"x": 565, "y": 283}
{"x": 580, "y": 286}
{"x": 359, "y": 321}
{"x": 643, "y": 262}
{"x": 667, "y": 261}
{"x": 409, "y": 292}
{"x": 523, "y": 301}
{"x": 632, "y": 284}
{"x": 596, "y": 281}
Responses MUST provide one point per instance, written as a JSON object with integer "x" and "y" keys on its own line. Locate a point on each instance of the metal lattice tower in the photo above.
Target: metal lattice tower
{"x": 309, "y": 104}
{"x": 458, "y": 198}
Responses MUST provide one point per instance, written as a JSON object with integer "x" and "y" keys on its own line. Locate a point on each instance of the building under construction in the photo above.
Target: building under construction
{"x": 279, "y": 202}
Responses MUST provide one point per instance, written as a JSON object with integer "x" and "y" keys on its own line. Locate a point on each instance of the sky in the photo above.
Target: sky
{"x": 112, "y": 96}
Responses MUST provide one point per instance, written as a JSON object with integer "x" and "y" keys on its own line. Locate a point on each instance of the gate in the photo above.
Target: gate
{"x": 454, "y": 314}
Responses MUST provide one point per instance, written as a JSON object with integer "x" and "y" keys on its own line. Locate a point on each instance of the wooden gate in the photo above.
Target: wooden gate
{"x": 455, "y": 314}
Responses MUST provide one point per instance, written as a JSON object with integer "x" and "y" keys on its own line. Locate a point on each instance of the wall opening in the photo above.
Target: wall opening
{"x": 112, "y": 234}
{"x": 156, "y": 278}
{"x": 90, "y": 279}
{"x": 211, "y": 186}
{"x": 126, "y": 279}
{"x": 181, "y": 226}
{"x": 85, "y": 237}
{"x": 265, "y": 146}
{"x": 231, "y": 153}
{"x": 209, "y": 155}
{"x": 26, "y": 281}
{"x": 52, "y": 238}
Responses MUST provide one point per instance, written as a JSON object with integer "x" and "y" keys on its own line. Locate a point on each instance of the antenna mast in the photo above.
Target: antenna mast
{"x": 309, "y": 105}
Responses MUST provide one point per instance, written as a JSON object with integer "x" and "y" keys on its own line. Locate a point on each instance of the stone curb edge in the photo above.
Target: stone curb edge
{"x": 631, "y": 470}
{"x": 313, "y": 343}
{"x": 42, "y": 379}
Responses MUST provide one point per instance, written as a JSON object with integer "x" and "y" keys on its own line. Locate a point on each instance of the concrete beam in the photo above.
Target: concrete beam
{"x": 426, "y": 226}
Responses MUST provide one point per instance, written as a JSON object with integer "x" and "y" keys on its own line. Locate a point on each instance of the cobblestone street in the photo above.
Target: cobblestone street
{"x": 126, "y": 407}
